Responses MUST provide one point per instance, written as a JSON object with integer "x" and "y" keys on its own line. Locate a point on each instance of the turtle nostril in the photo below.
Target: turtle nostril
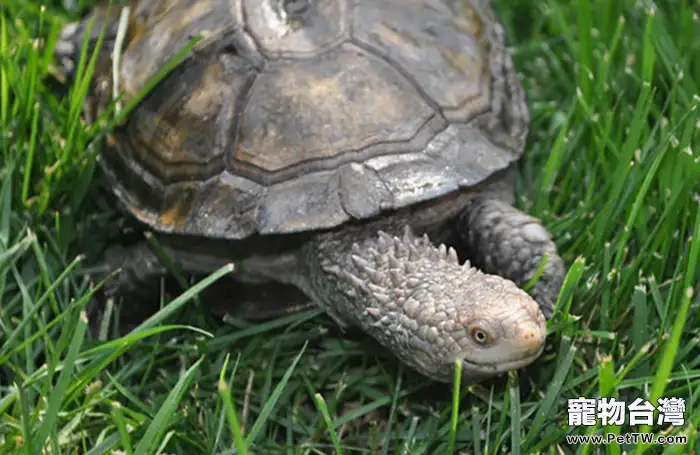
{"x": 529, "y": 337}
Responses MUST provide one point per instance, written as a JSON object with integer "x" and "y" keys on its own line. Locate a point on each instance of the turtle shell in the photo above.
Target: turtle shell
{"x": 299, "y": 115}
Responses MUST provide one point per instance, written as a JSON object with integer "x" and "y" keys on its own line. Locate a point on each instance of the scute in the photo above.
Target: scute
{"x": 442, "y": 47}
{"x": 300, "y": 111}
{"x": 352, "y": 110}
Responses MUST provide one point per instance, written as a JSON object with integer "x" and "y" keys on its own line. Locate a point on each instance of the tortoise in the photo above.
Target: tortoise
{"x": 361, "y": 151}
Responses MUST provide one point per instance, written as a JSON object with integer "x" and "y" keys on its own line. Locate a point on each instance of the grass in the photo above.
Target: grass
{"x": 612, "y": 168}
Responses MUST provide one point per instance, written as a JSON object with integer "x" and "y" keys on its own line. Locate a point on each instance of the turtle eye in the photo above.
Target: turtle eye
{"x": 480, "y": 336}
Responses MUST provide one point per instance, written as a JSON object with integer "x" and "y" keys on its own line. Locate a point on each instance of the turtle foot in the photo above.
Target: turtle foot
{"x": 510, "y": 243}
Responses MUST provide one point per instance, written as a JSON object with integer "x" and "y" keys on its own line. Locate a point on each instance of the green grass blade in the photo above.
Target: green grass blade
{"x": 456, "y": 394}
{"x": 515, "y": 412}
{"x": 231, "y": 416}
{"x": 185, "y": 297}
{"x": 160, "y": 422}
{"x": 670, "y": 347}
{"x": 274, "y": 396}
{"x": 58, "y": 394}
{"x": 321, "y": 404}
{"x": 553, "y": 393}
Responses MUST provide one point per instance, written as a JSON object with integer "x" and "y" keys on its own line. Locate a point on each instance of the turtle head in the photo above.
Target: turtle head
{"x": 428, "y": 309}
{"x": 506, "y": 330}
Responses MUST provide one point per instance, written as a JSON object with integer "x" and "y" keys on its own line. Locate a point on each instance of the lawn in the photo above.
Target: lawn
{"x": 612, "y": 166}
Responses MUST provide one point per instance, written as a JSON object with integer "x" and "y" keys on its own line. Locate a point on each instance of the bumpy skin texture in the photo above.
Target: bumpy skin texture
{"x": 418, "y": 301}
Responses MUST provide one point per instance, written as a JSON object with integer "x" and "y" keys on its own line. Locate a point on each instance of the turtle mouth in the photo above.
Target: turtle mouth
{"x": 494, "y": 368}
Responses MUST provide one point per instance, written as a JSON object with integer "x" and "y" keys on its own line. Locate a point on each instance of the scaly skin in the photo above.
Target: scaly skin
{"x": 420, "y": 303}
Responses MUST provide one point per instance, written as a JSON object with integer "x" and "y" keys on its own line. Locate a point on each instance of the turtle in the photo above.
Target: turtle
{"x": 362, "y": 152}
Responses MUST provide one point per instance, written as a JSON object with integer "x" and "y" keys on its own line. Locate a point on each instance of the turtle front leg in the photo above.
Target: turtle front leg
{"x": 508, "y": 242}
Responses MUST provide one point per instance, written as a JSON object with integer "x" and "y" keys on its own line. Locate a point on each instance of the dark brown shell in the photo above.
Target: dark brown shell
{"x": 280, "y": 123}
